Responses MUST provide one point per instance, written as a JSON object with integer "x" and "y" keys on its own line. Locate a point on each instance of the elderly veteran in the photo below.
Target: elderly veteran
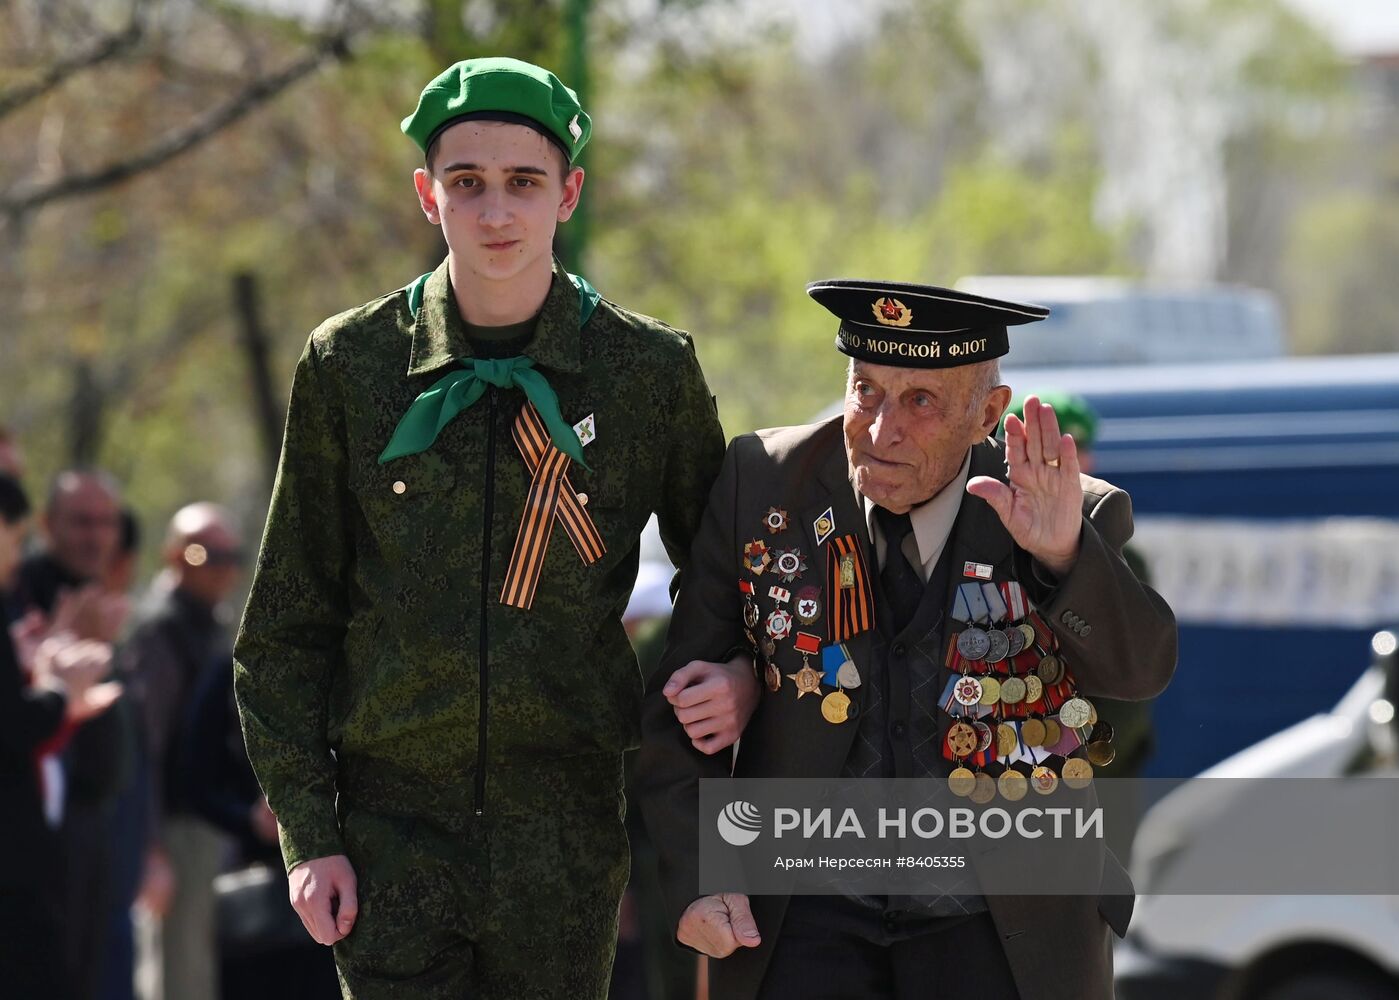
{"x": 432, "y": 674}
{"x": 895, "y": 545}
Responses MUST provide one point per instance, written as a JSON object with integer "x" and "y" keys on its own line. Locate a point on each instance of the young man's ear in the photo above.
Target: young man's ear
{"x": 572, "y": 191}
{"x": 427, "y": 197}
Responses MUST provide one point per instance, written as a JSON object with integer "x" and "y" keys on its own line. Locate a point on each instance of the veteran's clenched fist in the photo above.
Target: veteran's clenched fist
{"x": 719, "y": 925}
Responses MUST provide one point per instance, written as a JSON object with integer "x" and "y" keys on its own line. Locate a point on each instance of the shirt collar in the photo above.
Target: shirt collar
{"x": 439, "y": 335}
{"x": 932, "y": 520}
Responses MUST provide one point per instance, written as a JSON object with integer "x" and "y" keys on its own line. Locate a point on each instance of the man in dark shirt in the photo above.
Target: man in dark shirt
{"x": 66, "y": 674}
{"x": 81, "y": 525}
{"x": 177, "y": 637}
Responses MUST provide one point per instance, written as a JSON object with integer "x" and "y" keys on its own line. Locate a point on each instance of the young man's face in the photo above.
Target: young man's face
{"x": 498, "y": 190}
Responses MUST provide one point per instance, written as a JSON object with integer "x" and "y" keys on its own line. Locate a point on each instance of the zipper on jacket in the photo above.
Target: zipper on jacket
{"x": 488, "y": 515}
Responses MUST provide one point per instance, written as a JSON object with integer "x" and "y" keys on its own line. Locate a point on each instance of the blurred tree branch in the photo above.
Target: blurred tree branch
{"x": 106, "y": 48}
{"x": 335, "y": 46}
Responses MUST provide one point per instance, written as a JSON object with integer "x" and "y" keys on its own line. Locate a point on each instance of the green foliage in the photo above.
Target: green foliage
{"x": 722, "y": 217}
{"x": 724, "y": 177}
{"x": 1341, "y": 275}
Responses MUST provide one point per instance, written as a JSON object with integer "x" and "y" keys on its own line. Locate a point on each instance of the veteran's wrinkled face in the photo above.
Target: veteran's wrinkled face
{"x": 907, "y": 430}
{"x": 499, "y": 191}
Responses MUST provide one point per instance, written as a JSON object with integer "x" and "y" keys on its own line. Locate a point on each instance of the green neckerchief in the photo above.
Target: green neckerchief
{"x": 458, "y": 390}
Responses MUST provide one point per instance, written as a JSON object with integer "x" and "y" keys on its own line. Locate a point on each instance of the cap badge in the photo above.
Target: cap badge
{"x": 574, "y": 129}
{"x": 892, "y": 312}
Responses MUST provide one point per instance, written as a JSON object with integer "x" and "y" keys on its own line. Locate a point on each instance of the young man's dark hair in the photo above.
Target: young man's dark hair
{"x": 430, "y": 157}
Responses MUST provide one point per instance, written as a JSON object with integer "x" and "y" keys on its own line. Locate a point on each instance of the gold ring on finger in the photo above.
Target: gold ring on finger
{"x": 1053, "y": 463}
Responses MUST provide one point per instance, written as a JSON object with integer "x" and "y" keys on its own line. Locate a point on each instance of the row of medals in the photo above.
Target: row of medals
{"x": 835, "y": 707}
{"x": 789, "y": 565}
{"x": 991, "y": 646}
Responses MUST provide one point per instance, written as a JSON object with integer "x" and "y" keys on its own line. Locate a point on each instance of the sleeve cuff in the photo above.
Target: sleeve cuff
{"x": 1039, "y": 583}
{"x": 303, "y": 841}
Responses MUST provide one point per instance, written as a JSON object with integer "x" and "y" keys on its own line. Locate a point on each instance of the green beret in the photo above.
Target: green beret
{"x": 1076, "y": 415}
{"x": 506, "y": 90}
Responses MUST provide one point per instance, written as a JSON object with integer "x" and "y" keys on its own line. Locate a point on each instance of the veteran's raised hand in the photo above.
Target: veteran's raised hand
{"x": 1042, "y": 508}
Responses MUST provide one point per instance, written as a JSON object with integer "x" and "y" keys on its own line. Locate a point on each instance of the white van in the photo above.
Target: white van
{"x": 1255, "y": 947}
{"x": 1101, "y": 320}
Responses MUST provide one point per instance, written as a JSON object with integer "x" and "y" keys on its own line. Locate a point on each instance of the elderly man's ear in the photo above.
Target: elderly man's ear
{"x": 997, "y": 401}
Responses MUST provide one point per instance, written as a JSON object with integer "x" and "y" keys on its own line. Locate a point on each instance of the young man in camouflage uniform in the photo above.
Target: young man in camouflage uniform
{"x": 434, "y": 682}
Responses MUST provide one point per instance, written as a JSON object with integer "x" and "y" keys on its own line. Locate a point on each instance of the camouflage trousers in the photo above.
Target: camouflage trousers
{"x": 520, "y": 902}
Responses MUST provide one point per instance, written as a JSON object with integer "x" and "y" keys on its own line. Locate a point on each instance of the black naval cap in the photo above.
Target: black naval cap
{"x": 919, "y": 326}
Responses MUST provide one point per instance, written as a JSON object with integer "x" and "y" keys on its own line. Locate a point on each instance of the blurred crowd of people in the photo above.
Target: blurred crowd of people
{"x": 140, "y": 860}
{"x": 127, "y": 791}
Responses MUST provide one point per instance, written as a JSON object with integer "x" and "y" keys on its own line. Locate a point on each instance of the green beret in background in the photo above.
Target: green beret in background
{"x": 499, "y": 87}
{"x": 1077, "y": 418}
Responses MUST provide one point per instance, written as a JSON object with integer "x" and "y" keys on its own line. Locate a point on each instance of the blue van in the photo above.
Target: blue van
{"x": 1266, "y": 495}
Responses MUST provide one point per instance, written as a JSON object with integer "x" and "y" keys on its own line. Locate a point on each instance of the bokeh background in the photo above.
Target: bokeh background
{"x": 187, "y": 187}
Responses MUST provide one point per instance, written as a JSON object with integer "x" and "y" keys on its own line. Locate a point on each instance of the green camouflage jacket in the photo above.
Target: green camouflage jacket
{"x": 374, "y": 645}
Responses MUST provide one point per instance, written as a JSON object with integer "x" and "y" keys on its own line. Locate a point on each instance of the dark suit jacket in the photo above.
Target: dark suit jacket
{"x": 98, "y": 759}
{"x": 28, "y": 717}
{"x": 1117, "y": 634}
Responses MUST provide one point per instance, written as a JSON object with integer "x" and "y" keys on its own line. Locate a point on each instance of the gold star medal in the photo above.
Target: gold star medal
{"x": 808, "y": 681}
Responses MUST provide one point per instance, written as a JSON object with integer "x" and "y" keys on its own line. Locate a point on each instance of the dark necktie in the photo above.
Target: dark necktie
{"x": 903, "y": 585}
